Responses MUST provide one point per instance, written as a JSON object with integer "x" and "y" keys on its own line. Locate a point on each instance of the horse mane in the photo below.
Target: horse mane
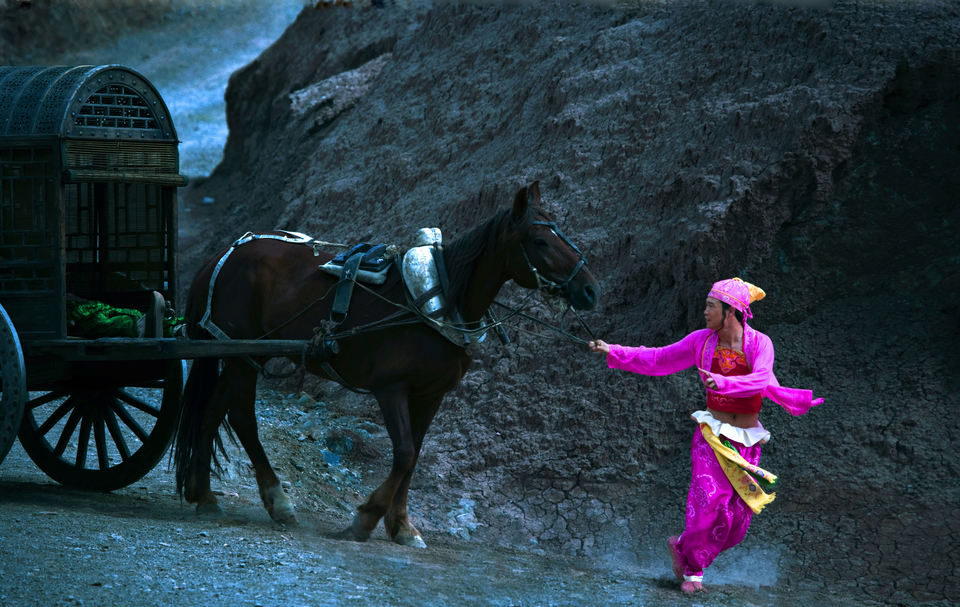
{"x": 461, "y": 255}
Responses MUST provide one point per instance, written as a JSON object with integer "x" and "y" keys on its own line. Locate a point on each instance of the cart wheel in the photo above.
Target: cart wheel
{"x": 104, "y": 437}
{"x": 13, "y": 383}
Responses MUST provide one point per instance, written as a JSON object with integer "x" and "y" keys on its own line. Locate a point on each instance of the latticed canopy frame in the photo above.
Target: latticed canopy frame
{"x": 89, "y": 167}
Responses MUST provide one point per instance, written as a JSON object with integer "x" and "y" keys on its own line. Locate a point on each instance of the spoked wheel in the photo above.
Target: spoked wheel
{"x": 13, "y": 387}
{"x": 102, "y": 437}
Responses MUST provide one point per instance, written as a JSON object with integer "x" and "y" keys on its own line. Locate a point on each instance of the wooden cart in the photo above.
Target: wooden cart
{"x": 89, "y": 171}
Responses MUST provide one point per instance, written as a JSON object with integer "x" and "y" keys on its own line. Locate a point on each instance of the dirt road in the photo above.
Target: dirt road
{"x": 140, "y": 546}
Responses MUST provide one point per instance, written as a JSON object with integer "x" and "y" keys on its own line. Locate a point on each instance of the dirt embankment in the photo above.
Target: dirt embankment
{"x": 810, "y": 151}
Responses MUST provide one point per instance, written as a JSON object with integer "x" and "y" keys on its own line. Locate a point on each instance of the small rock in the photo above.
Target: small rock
{"x": 331, "y": 458}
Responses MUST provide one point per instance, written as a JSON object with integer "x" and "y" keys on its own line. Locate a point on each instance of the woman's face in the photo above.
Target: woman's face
{"x": 713, "y": 314}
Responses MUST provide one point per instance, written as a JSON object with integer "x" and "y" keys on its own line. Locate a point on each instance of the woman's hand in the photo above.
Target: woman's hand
{"x": 708, "y": 378}
{"x": 598, "y": 345}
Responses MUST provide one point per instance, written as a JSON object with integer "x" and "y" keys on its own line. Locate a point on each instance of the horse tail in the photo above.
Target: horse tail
{"x": 196, "y": 395}
{"x": 199, "y": 389}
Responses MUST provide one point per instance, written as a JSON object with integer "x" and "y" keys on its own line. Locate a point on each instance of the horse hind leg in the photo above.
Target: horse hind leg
{"x": 205, "y": 408}
{"x": 243, "y": 420}
{"x": 197, "y": 486}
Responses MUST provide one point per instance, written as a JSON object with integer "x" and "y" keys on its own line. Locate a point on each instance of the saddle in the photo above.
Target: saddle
{"x": 364, "y": 262}
{"x": 423, "y": 273}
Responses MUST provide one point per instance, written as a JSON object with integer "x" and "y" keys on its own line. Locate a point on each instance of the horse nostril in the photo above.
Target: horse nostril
{"x": 590, "y": 294}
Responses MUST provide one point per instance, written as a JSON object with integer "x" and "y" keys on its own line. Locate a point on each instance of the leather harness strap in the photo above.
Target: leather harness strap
{"x": 206, "y": 322}
{"x": 452, "y": 312}
{"x": 344, "y": 292}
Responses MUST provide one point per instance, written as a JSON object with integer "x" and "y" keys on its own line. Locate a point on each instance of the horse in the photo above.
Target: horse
{"x": 268, "y": 287}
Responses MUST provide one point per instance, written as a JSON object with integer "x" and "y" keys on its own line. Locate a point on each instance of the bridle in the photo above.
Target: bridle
{"x": 543, "y": 283}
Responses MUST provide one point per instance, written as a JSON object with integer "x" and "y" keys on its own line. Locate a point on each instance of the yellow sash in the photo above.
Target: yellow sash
{"x": 741, "y": 473}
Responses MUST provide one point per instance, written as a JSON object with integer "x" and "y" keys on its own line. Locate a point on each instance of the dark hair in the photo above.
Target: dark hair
{"x": 725, "y": 306}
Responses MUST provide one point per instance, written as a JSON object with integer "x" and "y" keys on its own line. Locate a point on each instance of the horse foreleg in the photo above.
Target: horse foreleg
{"x": 396, "y": 520}
{"x": 396, "y": 417}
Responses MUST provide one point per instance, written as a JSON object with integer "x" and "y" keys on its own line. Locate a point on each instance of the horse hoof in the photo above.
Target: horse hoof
{"x": 356, "y": 532}
{"x": 278, "y": 505}
{"x": 212, "y": 511}
{"x": 350, "y": 535}
{"x": 284, "y": 516}
{"x": 413, "y": 541}
{"x": 282, "y": 510}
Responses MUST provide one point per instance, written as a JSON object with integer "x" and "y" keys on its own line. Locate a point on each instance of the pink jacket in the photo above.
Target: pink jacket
{"x": 696, "y": 349}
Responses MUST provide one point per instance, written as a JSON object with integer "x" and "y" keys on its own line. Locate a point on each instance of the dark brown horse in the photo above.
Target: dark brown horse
{"x": 273, "y": 288}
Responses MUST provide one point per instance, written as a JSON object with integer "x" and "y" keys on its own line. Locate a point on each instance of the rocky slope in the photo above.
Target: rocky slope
{"x": 810, "y": 151}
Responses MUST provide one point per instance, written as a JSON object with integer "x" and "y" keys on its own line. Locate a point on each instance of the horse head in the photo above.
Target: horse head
{"x": 545, "y": 258}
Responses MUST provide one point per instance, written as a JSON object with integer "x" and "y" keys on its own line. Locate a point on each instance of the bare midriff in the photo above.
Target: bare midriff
{"x": 729, "y": 362}
{"x": 739, "y": 420}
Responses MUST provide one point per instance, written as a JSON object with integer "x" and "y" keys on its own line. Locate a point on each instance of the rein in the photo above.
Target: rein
{"x": 407, "y": 314}
{"x": 544, "y": 284}
{"x": 559, "y": 330}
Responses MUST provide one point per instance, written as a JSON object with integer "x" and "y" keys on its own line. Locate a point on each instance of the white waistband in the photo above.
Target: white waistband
{"x": 748, "y": 436}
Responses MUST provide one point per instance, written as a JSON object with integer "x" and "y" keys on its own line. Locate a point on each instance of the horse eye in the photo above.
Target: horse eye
{"x": 540, "y": 242}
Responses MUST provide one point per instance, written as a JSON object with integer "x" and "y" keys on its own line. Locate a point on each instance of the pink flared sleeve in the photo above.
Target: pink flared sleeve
{"x": 795, "y": 401}
{"x": 658, "y": 361}
{"x": 689, "y": 351}
{"x": 761, "y": 379}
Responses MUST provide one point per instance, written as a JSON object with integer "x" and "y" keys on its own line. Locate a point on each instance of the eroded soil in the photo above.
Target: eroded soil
{"x": 142, "y": 546}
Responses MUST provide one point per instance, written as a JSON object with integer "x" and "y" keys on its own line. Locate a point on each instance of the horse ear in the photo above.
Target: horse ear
{"x": 527, "y": 196}
{"x": 533, "y": 194}
{"x": 520, "y": 204}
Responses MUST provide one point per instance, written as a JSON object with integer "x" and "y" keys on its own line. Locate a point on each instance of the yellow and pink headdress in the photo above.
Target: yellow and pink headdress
{"x": 737, "y": 293}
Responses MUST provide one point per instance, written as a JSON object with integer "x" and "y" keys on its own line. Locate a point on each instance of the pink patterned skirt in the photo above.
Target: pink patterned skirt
{"x": 717, "y": 519}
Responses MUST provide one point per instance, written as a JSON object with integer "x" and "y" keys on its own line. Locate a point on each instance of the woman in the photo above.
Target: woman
{"x": 735, "y": 363}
